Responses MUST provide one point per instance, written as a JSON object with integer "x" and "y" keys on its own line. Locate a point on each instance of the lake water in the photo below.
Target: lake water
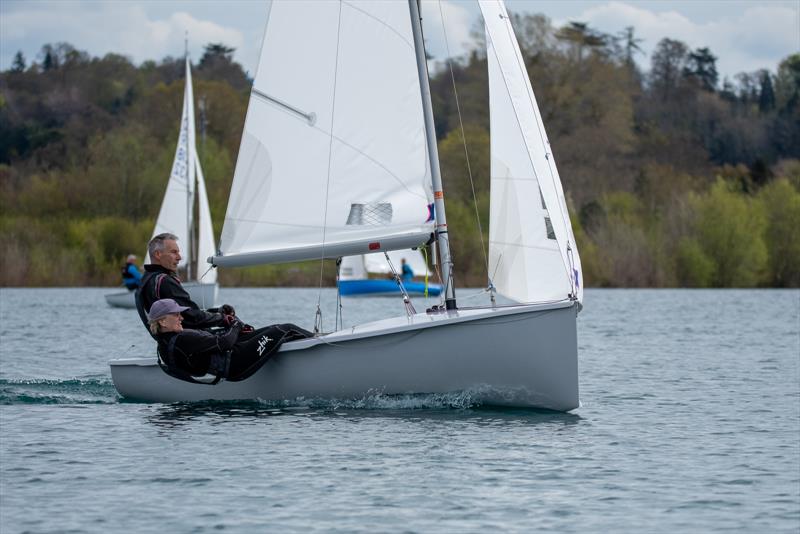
{"x": 690, "y": 422}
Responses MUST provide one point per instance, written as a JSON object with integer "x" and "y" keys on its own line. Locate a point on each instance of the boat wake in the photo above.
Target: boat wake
{"x": 87, "y": 390}
{"x": 377, "y": 400}
{"x": 100, "y": 390}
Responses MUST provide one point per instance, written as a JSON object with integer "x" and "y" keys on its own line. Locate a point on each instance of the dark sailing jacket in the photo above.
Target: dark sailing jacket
{"x": 160, "y": 283}
{"x": 198, "y": 352}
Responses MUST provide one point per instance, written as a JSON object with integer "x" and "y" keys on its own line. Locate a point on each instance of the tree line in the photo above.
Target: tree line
{"x": 674, "y": 177}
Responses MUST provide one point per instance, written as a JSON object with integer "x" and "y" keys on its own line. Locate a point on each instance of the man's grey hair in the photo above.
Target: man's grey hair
{"x": 157, "y": 243}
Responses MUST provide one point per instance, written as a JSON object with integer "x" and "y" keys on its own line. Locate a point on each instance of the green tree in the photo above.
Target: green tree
{"x": 701, "y": 66}
{"x": 581, "y": 38}
{"x": 19, "y": 62}
{"x": 694, "y": 267}
{"x": 217, "y": 64}
{"x": 667, "y": 65}
{"x": 782, "y": 209}
{"x": 787, "y": 84}
{"x": 729, "y": 229}
{"x": 766, "y": 98}
{"x": 453, "y": 163}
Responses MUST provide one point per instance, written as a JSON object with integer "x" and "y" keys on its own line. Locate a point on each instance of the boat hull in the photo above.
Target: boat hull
{"x": 384, "y": 288}
{"x": 524, "y": 356}
{"x": 205, "y": 295}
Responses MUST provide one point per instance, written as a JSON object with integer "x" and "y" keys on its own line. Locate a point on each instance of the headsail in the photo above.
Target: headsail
{"x": 333, "y": 158}
{"x": 205, "y": 230}
{"x": 186, "y": 179}
{"x": 532, "y": 251}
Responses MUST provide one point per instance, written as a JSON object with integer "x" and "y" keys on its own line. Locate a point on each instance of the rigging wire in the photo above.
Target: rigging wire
{"x": 203, "y": 293}
{"x": 406, "y": 299}
{"x": 464, "y": 141}
{"x": 318, "y": 315}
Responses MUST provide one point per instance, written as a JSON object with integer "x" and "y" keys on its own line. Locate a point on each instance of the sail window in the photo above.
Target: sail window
{"x": 370, "y": 214}
{"x": 551, "y": 234}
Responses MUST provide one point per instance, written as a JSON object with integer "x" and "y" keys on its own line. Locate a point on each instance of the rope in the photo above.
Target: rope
{"x": 318, "y": 316}
{"x": 425, "y": 256}
{"x": 464, "y": 141}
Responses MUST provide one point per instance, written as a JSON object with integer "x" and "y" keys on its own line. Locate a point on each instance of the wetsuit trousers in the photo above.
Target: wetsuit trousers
{"x": 253, "y": 349}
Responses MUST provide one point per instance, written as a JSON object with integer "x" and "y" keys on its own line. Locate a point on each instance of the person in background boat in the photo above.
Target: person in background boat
{"x": 407, "y": 272}
{"x": 230, "y": 353}
{"x": 161, "y": 281}
{"x": 131, "y": 276}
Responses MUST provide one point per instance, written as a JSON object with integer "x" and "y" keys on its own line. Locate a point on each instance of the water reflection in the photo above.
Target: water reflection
{"x": 388, "y": 407}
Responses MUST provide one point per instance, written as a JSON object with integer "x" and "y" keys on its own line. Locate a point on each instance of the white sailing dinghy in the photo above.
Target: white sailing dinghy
{"x": 185, "y": 186}
{"x": 371, "y": 275}
{"x": 328, "y": 144}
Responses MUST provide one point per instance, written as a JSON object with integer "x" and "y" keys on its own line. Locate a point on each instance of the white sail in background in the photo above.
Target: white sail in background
{"x": 176, "y": 214}
{"x": 532, "y": 252}
{"x": 360, "y": 267}
{"x": 205, "y": 230}
{"x": 185, "y": 181}
{"x": 376, "y": 263}
{"x": 333, "y": 157}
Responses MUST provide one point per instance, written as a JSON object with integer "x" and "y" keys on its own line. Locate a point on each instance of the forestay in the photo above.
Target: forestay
{"x": 532, "y": 251}
{"x": 333, "y": 158}
{"x": 176, "y": 214}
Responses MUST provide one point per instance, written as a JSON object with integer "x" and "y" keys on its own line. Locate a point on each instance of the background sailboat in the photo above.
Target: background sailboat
{"x": 186, "y": 190}
{"x": 360, "y": 144}
{"x": 371, "y": 275}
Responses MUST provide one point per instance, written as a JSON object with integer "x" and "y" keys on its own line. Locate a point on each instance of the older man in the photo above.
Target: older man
{"x": 161, "y": 281}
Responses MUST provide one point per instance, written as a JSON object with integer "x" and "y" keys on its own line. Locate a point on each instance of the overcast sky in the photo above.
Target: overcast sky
{"x": 745, "y": 35}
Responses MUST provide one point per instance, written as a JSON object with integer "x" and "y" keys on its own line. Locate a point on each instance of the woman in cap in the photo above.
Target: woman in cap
{"x": 231, "y": 353}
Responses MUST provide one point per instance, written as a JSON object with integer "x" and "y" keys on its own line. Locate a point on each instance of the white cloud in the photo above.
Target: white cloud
{"x": 102, "y": 27}
{"x": 458, "y": 21}
{"x": 755, "y": 38}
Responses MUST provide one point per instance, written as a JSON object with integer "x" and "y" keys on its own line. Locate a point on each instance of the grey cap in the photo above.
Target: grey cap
{"x": 163, "y": 307}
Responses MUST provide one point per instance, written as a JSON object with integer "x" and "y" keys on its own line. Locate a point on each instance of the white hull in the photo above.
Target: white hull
{"x": 523, "y": 356}
{"x": 204, "y": 295}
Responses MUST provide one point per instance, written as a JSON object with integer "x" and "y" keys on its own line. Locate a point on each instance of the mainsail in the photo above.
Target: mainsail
{"x": 532, "y": 252}
{"x": 333, "y": 157}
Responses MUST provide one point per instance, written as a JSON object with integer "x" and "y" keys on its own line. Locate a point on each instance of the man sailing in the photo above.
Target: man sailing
{"x": 161, "y": 281}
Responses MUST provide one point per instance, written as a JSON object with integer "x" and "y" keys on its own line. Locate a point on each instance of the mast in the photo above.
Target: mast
{"x": 189, "y": 161}
{"x": 433, "y": 153}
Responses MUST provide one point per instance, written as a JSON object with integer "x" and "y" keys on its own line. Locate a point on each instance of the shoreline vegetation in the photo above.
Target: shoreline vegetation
{"x": 674, "y": 178}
